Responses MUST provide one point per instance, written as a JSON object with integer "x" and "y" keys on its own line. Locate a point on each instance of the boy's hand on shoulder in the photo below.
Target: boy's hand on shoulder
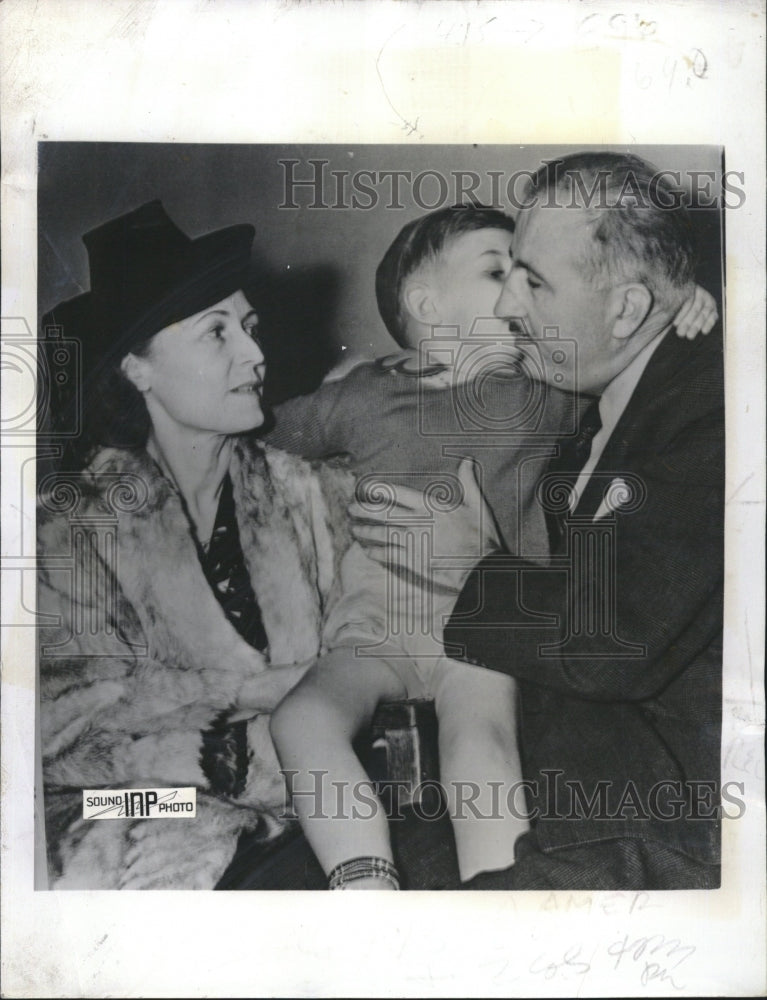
{"x": 697, "y": 315}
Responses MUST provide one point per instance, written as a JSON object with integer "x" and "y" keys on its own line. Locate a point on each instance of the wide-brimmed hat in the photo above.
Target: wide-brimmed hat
{"x": 146, "y": 274}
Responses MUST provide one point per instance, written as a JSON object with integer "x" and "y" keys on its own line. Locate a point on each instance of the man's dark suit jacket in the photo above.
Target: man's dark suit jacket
{"x": 652, "y": 719}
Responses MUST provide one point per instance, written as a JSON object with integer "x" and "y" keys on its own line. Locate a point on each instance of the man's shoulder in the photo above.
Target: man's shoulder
{"x": 685, "y": 376}
{"x": 677, "y": 406}
{"x": 681, "y": 361}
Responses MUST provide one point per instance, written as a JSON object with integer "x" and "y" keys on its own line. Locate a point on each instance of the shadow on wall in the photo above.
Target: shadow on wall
{"x": 297, "y": 312}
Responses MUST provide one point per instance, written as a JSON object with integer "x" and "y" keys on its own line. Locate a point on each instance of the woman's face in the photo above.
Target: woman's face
{"x": 205, "y": 373}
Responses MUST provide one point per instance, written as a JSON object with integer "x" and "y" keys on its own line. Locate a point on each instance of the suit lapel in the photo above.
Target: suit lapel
{"x": 636, "y": 427}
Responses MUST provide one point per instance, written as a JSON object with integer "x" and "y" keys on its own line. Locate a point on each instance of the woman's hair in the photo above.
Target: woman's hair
{"x": 112, "y": 412}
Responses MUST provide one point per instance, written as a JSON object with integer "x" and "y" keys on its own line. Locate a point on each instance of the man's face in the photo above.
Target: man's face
{"x": 467, "y": 279}
{"x": 548, "y": 290}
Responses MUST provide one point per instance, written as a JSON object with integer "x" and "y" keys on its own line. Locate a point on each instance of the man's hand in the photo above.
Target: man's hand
{"x": 697, "y": 315}
{"x": 454, "y": 535}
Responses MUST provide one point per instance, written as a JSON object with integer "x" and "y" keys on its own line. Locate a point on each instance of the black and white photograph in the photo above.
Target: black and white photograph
{"x": 371, "y": 529}
{"x": 489, "y": 548}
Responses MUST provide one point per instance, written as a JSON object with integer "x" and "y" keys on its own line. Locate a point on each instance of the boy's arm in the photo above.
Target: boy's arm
{"x": 300, "y": 427}
{"x": 318, "y": 425}
{"x": 697, "y": 315}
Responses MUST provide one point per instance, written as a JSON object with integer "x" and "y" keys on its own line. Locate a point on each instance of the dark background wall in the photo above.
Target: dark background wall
{"x": 313, "y": 267}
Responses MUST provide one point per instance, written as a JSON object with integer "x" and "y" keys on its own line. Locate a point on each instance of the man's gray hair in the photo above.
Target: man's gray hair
{"x": 640, "y": 229}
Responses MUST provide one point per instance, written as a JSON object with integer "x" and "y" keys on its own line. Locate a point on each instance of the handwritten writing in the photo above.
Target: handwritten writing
{"x": 643, "y": 959}
{"x": 568, "y": 966}
{"x": 661, "y": 64}
{"x": 674, "y": 69}
{"x": 619, "y": 25}
{"x": 744, "y": 757}
{"x": 611, "y": 904}
{"x": 656, "y": 957}
{"x": 408, "y": 125}
{"x": 473, "y": 31}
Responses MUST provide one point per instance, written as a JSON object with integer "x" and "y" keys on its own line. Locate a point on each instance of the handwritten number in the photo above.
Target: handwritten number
{"x": 643, "y": 80}
{"x": 670, "y": 74}
{"x": 672, "y": 950}
{"x": 699, "y": 64}
{"x": 569, "y": 964}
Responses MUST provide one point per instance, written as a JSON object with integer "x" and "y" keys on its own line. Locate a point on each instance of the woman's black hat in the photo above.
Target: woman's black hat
{"x": 146, "y": 274}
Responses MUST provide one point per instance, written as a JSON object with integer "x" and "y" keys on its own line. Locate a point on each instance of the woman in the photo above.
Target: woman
{"x": 185, "y": 571}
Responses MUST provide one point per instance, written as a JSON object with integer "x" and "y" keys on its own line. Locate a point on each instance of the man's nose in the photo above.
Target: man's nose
{"x": 510, "y": 303}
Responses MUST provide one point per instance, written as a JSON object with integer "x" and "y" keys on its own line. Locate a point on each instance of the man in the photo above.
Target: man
{"x": 457, "y": 387}
{"x": 620, "y": 684}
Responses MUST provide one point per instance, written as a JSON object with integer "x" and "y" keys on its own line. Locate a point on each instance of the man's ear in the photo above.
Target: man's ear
{"x": 136, "y": 371}
{"x": 630, "y": 307}
{"x": 420, "y": 302}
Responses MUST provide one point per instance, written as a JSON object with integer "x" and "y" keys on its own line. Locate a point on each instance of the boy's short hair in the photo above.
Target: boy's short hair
{"x": 423, "y": 240}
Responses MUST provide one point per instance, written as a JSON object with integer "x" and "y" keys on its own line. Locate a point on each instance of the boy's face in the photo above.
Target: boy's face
{"x": 466, "y": 281}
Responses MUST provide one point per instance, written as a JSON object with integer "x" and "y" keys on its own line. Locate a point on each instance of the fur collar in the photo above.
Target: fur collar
{"x": 290, "y": 536}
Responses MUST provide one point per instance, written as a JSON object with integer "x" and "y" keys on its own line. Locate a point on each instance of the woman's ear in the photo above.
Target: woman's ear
{"x": 136, "y": 370}
{"x": 420, "y": 302}
{"x": 630, "y": 307}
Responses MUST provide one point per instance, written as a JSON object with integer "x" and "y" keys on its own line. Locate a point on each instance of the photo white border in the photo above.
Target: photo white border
{"x": 589, "y": 73}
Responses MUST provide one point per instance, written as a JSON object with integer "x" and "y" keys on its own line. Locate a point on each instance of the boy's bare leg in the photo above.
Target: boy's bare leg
{"x": 477, "y": 713}
{"x": 313, "y": 730}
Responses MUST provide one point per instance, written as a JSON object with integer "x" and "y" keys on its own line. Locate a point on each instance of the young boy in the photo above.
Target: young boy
{"x": 405, "y": 415}
{"x": 455, "y": 391}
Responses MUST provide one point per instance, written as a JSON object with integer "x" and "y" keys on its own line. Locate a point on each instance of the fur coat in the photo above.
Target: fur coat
{"x": 137, "y": 659}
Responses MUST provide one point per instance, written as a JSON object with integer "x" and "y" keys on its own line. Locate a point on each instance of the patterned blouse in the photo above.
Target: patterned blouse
{"x": 224, "y": 567}
{"x": 224, "y": 746}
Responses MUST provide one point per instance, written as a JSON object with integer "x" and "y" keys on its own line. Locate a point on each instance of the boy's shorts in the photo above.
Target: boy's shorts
{"x": 386, "y": 619}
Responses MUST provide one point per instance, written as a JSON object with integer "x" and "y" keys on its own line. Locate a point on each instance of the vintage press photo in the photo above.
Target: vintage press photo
{"x": 302, "y": 360}
{"x": 258, "y": 529}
